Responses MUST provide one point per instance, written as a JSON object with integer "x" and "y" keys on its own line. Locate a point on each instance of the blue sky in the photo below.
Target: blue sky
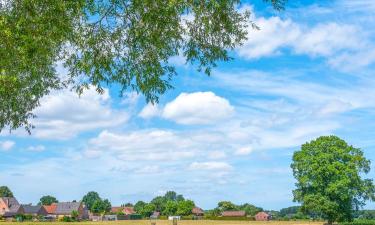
{"x": 307, "y": 72}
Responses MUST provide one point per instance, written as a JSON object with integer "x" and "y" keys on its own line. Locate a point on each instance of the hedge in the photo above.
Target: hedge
{"x": 227, "y": 218}
{"x": 359, "y": 222}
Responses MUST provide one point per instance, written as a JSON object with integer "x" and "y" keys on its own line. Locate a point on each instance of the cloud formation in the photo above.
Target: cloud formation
{"x": 197, "y": 108}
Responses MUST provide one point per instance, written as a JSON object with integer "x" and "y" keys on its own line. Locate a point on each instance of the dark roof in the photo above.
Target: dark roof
{"x": 197, "y": 211}
{"x": 233, "y": 213}
{"x": 16, "y": 210}
{"x": 66, "y": 208}
{"x": 31, "y": 209}
{"x": 12, "y": 203}
{"x": 34, "y": 209}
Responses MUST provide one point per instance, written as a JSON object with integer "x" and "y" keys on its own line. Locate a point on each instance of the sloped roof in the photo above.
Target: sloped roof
{"x": 233, "y": 213}
{"x": 66, "y": 208}
{"x": 129, "y": 210}
{"x": 12, "y": 203}
{"x": 262, "y": 214}
{"x": 34, "y": 209}
{"x": 51, "y": 209}
{"x": 117, "y": 209}
{"x": 197, "y": 211}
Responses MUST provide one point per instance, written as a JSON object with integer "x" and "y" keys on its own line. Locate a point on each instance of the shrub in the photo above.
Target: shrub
{"x": 359, "y": 222}
{"x": 227, "y": 218}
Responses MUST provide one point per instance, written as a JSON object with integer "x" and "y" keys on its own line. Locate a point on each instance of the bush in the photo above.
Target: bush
{"x": 242, "y": 218}
{"x": 186, "y": 217}
{"x": 359, "y": 222}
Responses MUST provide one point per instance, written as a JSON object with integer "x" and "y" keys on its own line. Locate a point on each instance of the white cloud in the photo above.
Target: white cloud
{"x": 63, "y": 115}
{"x": 344, "y": 46}
{"x": 334, "y": 107}
{"x": 219, "y": 166}
{"x": 149, "y": 111}
{"x": 217, "y": 155}
{"x": 37, "y": 148}
{"x": 6, "y": 145}
{"x": 144, "y": 145}
{"x": 244, "y": 150}
{"x": 274, "y": 33}
{"x": 197, "y": 108}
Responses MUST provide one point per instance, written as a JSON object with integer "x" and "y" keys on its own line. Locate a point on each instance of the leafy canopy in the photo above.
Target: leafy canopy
{"x": 90, "y": 198}
{"x": 329, "y": 182}
{"x": 105, "y": 42}
{"x": 5, "y": 192}
{"x": 47, "y": 200}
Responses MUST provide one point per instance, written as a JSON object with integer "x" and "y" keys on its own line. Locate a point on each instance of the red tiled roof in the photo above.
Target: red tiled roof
{"x": 129, "y": 210}
{"x": 197, "y": 211}
{"x": 233, "y": 213}
{"x": 51, "y": 209}
{"x": 262, "y": 214}
{"x": 116, "y": 209}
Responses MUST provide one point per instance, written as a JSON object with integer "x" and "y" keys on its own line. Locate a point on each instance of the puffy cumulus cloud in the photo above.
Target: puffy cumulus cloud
{"x": 6, "y": 145}
{"x": 219, "y": 166}
{"x": 340, "y": 43}
{"x": 149, "y": 111}
{"x": 63, "y": 114}
{"x": 274, "y": 34}
{"x": 197, "y": 108}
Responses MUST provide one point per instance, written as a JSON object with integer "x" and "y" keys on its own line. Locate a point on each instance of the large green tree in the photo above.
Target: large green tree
{"x": 5, "y": 192}
{"x": 170, "y": 208}
{"x": 185, "y": 207}
{"x": 104, "y": 42}
{"x": 329, "y": 181}
{"x": 47, "y": 200}
{"x": 90, "y": 198}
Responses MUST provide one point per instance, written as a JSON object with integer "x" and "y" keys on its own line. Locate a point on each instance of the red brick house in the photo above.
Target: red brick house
{"x": 262, "y": 216}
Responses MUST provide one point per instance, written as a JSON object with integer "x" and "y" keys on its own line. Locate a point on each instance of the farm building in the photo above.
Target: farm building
{"x": 34, "y": 210}
{"x": 117, "y": 209}
{"x": 10, "y": 207}
{"x": 125, "y": 210}
{"x": 196, "y": 211}
{"x": 50, "y": 209}
{"x": 66, "y": 209}
{"x": 233, "y": 213}
{"x": 262, "y": 216}
{"x": 129, "y": 211}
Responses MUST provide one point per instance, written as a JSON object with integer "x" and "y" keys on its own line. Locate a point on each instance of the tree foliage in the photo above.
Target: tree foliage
{"x": 227, "y": 206}
{"x": 101, "y": 206}
{"x": 329, "y": 182}
{"x": 101, "y": 42}
{"x": 5, "y": 192}
{"x": 185, "y": 207}
{"x": 47, "y": 200}
{"x": 90, "y": 198}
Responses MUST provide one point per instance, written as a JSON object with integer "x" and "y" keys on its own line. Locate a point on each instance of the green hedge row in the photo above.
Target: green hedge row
{"x": 227, "y": 218}
{"x": 360, "y": 222}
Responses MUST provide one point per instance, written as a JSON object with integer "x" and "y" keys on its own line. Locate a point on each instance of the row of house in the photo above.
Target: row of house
{"x": 10, "y": 207}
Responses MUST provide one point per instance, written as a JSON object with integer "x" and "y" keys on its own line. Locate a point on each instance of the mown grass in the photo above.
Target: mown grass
{"x": 166, "y": 222}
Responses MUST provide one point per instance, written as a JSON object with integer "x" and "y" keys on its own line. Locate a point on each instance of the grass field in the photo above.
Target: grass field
{"x": 165, "y": 222}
